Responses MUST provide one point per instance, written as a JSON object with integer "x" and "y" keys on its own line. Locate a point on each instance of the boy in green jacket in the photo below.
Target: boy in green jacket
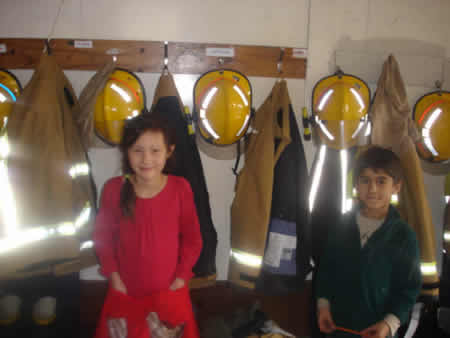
{"x": 369, "y": 276}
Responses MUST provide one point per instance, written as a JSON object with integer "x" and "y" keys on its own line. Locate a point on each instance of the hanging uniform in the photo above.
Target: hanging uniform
{"x": 432, "y": 116}
{"x": 327, "y": 207}
{"x": 289, "y": 221}
{"x": 88, "y": 103}
{"x": 50, "y": 191}
{"x": 444, "y": 290}
{"x": 393, "y": 128}
{"x": 252, "y": 230}
{"x": 189, "y": 166}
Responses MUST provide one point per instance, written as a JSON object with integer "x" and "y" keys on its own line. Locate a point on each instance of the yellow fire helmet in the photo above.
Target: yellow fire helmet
{"x": 10, "y": 89}
{"x": 222, "y": 106}
{"x": 123, "y": 97}
{"x": 340, "y": 104}
{"x": 432, "y": 116}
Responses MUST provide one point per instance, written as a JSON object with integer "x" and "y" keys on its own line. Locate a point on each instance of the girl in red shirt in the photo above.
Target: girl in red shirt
{"x": 147, "y": 234}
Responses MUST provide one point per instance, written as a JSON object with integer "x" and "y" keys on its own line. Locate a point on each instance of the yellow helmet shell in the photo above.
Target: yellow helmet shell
{"x": 122, "y": 98}
{"x": 340, "y": 106}
{"x": 10, "y": 89}
{"x": 222, "y": 106}
{"x": 432, "y": 116}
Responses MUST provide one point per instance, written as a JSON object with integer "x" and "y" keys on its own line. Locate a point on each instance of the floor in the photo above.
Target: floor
{"x": 65, "y": 289}
{"x": 79, "y": 304}
{"x": 290, "y": 312}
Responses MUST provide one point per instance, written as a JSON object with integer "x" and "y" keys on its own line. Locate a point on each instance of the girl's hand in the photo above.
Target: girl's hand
{"x": 117, "y": 283}
{"x": 326, "y": 323}
{"x": 178, "y": 283}
{"x": 378, "y": 330}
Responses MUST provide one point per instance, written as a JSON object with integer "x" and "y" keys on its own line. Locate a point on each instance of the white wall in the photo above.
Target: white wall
{"x": 256, "y": 22}
{"x": 412, "y": 28}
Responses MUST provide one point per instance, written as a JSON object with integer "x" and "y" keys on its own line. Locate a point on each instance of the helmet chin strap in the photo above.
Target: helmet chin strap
{"x": 238, "y": 157}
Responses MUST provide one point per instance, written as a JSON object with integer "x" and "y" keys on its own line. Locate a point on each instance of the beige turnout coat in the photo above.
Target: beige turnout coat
{"x": 49, "y": 178}
{"x": 250, "y": 210}
{"x": 393, "y": 128}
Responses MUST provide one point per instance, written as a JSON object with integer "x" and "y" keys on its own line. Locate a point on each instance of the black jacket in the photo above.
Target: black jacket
{"x": 289, "y": 203}
{"x": 189, "y": 166}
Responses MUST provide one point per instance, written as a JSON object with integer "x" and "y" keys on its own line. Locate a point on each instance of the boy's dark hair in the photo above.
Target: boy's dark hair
{"x": 133, "y": 129}
{"x": 377, "y": 158}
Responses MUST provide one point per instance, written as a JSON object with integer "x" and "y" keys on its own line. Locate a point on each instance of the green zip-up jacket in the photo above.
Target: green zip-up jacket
{"x": 363, "y": 284}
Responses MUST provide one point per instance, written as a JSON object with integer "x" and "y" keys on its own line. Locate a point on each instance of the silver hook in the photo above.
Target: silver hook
{"x": 280, "y": 61}
{"x": 438, "y": 85}
{"x": 339, "y": 72}
{"x": 166, "y": 57}
{"x": 47, "y": 49}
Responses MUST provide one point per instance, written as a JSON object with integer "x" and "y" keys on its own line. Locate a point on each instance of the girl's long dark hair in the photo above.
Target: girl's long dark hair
{"x": 133, "y": 129}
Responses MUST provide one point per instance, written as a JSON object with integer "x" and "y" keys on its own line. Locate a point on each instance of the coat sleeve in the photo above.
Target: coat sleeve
{"x": 406, "y": 279}
{"x": 326, "y": 272}
{"x": 190, "y": 236}
{"x": 106, "y": 230}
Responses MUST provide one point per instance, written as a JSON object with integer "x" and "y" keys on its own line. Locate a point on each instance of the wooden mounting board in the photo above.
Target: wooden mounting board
{"x": 148, "y": 56}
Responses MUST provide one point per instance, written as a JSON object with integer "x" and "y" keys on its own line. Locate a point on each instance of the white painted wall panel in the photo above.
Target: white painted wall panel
{"x": 416, "y": 70}
{"x": 421, "y": 20}
{"x": 446, "y": 84}
{"x": 258, "y": 22}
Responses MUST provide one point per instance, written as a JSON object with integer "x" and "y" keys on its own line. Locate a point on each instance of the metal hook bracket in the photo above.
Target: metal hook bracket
{"x": 166, "y": 57}
{"x": 280, "y": 61}
{"x": 339, "y": 72}
{"x": 438, "y": 85}
{"x": 47, "y": 47}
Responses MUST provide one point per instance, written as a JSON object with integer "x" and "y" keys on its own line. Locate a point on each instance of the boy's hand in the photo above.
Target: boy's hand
{"x": 326, "y": 323}
{"x": 178, "y": 283}
{"x": 378, "y": 330}
{"x": 117, "y": 283}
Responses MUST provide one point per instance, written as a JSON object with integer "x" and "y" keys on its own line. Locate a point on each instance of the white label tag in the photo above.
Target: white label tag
{"x": 113, "y": 51}
{"x": 220, "y": 52}
{"x": 3, "y": 48}
{"x": 279, "y": 247}
{"x": 83, "y": 44}
{"x": 299, "y": 53}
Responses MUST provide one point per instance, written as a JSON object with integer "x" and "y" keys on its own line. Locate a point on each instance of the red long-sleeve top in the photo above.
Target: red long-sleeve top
{"x": 161, "y": 243}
